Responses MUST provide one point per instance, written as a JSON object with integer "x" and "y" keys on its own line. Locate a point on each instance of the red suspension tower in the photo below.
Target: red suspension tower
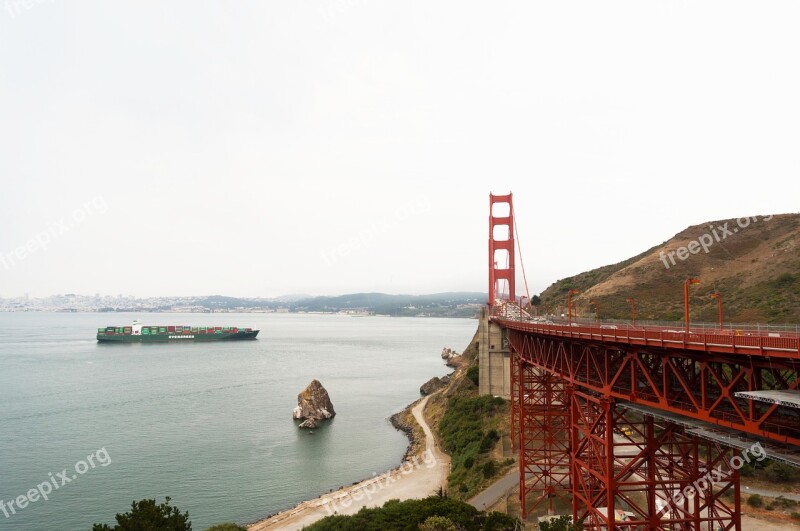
{"x": 539, "y": 400}
{"x": 501, "y": 248}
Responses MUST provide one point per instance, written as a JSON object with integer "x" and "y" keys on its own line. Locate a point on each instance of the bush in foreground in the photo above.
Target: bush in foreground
{"x": 145, "y": 514}
{"x": 411, "y": 514}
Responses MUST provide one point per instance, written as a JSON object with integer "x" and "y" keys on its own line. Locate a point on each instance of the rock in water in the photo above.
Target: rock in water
{"x": 313, "y": 404}
{"x": 308, "y": 424}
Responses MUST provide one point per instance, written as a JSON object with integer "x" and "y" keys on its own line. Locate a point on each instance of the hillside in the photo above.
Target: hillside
{"x": 459, "y": 304}
{"x": 754, "y": 263}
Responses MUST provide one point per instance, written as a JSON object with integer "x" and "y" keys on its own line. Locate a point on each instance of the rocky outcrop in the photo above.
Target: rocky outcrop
{"x": 451, "y": 357}
{"x": 313, "y": 404}
{"x": 431, "y": 385}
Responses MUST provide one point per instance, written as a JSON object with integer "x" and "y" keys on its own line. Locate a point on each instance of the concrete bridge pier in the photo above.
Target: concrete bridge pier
{"x": 494, "y": 359}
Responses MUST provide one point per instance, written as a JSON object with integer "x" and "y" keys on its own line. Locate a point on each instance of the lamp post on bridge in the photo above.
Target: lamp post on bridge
{"x": 717, "y": 295}
{"x": 633, "y": 310}
{"x": 596, "y": 310}
{"x": 686, "y": 284}
{"x": 570, "y": 293}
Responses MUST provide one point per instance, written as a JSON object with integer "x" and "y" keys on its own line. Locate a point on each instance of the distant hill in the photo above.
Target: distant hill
{"x": 755, "y": 265}
{"x": 456, "y": 304}
{"x": 382, "y": 303}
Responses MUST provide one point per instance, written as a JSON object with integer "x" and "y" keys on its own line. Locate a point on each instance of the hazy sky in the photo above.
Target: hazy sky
{"x": 332, "y": 146}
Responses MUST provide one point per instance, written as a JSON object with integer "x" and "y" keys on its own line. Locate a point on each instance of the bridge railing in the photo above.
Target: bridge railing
{"x": 511, "y": 310}
{"x": 747, "y": 339}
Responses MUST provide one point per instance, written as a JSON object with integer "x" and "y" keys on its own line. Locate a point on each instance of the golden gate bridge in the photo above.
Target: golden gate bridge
{"x": 630, "y": 426}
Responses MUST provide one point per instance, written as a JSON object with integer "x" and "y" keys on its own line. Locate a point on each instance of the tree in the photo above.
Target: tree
{"x": 437, "y": 523}
{"x": 145, "y": 514}
{"x": 562, "y": 523}
{"x": 780, "y": 473}
{"x": 227, "y": 526}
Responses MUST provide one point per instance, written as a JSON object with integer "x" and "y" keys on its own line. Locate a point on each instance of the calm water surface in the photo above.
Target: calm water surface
{"x": 208, "y": 424}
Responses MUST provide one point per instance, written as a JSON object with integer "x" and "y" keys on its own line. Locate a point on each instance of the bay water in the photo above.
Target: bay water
{"x": 208, "y": 424}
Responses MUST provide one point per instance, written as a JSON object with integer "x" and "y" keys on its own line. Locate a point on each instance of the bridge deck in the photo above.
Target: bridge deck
{"x": 729, "y": 437}
{"x": 748, "y": 344}
{"x": 788, "y": 397}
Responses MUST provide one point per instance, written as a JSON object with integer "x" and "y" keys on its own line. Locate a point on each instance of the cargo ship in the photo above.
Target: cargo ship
{"x": 139, "y": 333}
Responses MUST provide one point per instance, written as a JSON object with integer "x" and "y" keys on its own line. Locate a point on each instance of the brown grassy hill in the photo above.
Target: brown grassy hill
{"x": 755, "y": 265}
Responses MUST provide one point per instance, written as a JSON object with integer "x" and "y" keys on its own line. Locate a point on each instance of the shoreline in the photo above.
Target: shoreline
{"x": 423, "y": 465}
{"x": 400, "y": 422}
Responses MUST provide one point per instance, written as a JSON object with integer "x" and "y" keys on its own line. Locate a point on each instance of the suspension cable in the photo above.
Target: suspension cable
{"x": 521, "y": 263}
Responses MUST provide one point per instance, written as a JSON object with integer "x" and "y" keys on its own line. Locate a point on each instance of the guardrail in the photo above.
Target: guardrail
{"x": 745, "y": 340}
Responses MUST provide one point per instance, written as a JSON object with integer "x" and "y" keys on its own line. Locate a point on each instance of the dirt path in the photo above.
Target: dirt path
{"x": 416, "y": 478}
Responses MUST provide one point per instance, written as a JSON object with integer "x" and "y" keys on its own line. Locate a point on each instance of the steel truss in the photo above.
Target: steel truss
{"x": 622, "y": 469}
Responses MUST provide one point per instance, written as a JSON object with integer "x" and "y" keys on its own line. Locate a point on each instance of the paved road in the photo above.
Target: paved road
{"x": 496, "y": 490}
{"x": 770, "y": 493}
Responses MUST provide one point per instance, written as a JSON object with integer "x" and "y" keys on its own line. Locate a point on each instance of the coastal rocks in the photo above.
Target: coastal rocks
{"x": 402, "y": 422}
{"x": 313, "y": 404}
{"x": 308, "y": 424}
{"x": 434, "y": 384}
{"x": 451, "y": 357}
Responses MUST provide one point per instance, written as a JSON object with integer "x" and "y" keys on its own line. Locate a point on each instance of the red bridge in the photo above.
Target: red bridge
{"x": 639, "y": 427}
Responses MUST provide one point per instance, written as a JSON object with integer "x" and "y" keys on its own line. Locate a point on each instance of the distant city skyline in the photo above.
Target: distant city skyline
{"x": 259, "y": 150}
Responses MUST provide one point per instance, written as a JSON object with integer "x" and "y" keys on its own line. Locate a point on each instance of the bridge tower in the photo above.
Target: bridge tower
{"x": 501, "y": 248}
{"x": 494, "y": 358}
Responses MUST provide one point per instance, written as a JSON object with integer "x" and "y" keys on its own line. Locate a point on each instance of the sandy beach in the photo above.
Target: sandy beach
{"x": 418, "y": 477}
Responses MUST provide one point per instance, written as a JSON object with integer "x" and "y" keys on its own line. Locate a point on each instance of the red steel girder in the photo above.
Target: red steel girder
{"x": 633, "y": 472}
{"x": 542, "y": 426}
{"x": 698, "y": 385}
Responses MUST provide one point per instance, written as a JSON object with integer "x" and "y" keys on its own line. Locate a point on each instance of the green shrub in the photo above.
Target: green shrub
{"x": 782, "y": 473}
{"x": 145, "y": 514}
{"x": 408, "y": 515}
{"x": 473, "y": 373}
{"x": 562, "y": 523}
{"x": 227, "y": 526}
{"x": 465, "y": 436}
{"x": 755, "y": 501}
{"x": 437, "y": 523}
{"x": 489, "y": 469}
{"x": 785, "y": 502}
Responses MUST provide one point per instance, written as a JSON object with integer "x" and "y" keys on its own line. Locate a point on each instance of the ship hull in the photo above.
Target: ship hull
{"x": 175, "y": 338}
